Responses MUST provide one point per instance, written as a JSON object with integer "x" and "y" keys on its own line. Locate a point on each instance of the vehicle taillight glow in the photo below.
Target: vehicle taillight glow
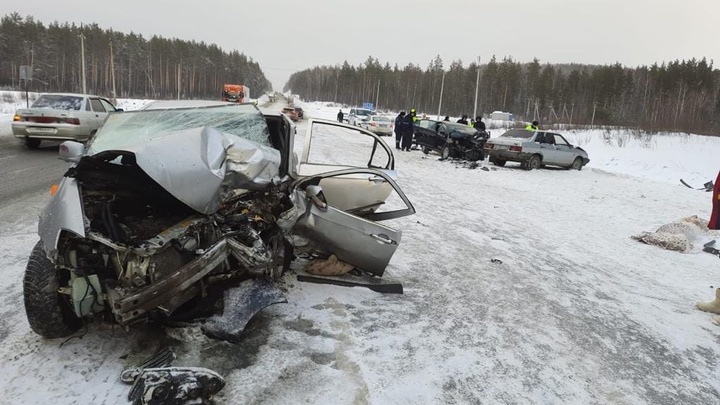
{"x": 516, "y": 148}
{"x": 17, "y": 118}
{"x": 73, "y": 121}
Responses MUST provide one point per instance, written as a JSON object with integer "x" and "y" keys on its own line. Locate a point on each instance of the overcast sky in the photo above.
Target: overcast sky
{"x": 285, "y": 36}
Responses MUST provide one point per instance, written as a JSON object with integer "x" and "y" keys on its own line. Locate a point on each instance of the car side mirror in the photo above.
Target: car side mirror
{"x": 71, "y": 151}
{"x": 314, "y": 193}
{"x": 119, "y": 110}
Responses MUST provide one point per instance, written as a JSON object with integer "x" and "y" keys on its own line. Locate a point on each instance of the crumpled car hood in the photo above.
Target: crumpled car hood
{"x": 200, "y": 166}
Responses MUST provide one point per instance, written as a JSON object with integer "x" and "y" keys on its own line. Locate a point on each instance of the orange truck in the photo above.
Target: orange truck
{"x": 237, "y": 93}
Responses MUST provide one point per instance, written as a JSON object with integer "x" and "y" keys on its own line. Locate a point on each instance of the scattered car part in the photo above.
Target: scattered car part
{"x": 351, "y": 281}
{"x": 328, "y": 267}
{"x": 498, "y": 261}
{"x": 175, "y": 386}
{"x": 706, "y": 187}
{"x": 240, "y": 305}
{"x": 162, "y": 358}
{"x": 712, "y": 306}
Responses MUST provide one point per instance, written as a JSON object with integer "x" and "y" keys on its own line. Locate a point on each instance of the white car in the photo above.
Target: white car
{"x": 61, "y": 116}
{"x": 358, "y": 116}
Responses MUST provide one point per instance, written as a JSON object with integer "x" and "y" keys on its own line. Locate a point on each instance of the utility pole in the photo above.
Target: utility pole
{"x": 377, "y": 95}
{"x": 178, "y": 79}
{"x": 592, "y": 121}
{"x": 112, "y": 73}
{"x": 82, "y": 60}
{"x": 477, "y": 86}
{"x": 442, "y": 87}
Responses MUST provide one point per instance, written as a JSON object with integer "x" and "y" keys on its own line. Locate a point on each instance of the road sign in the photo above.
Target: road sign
{"x": 369, "y": 106}
{"x": 26, "y": 72}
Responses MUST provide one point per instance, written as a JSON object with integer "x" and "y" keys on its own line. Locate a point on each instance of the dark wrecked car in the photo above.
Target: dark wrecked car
{"x": 185, "y": 213}
{"x": 450, "y": 139}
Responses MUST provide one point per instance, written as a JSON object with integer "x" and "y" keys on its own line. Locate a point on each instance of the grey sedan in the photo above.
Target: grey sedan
{"x": 534, "y": 149}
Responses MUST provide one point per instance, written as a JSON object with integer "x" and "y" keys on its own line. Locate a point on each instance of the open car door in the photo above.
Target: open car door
{"x": 332, "y": 146}
{"x": 351, "y": 234}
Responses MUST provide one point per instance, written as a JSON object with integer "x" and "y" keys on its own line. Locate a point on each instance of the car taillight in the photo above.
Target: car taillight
{"x": 373, "y": 124}
{"x": 73, "y": 121}
{"x": 17, "y": 118}
{"x": 489, "y": 146}
{"x": 516, "y": 148}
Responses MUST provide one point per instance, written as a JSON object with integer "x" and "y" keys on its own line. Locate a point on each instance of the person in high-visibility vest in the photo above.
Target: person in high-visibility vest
{"x": 414, "y": 115}
{"x": 534, "y": 126}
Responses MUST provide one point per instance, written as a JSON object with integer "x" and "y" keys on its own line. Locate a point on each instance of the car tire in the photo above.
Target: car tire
{"x": 445, "y": 152}
{"x": 49, "y": 312}
{"x": 425, "y": 150}
{"x": 497, "y": 162}
{"x": 577, "y": 164}
{"x": 533, "y": 163}
{"x": 32, "y": 143}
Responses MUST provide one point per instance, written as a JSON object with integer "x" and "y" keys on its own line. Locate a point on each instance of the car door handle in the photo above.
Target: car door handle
{"x": 377, "y": 179}
{"x": 381, "y": 237}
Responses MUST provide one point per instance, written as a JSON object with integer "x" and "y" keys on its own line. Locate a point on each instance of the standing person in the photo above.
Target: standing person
{"x": 479, "y": 124}
{"x": 463, "y": 120}
{"x": 408, "y": 131}
{"x": 447, "y": 118}
{"x": 398, "y": 128}
{"x": 715, "y": 217}
{"x": 534, "y": 126}
{"x": 340, "y": 116}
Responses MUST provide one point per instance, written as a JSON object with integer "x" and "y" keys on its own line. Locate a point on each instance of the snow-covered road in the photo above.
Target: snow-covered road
{"x": 577, "y": 312}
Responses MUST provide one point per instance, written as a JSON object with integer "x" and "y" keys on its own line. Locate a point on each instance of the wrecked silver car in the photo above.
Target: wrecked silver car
{"x": 186, "y": 213}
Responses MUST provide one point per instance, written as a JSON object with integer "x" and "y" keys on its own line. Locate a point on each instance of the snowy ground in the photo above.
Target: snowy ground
{"x": 577, "y": 312}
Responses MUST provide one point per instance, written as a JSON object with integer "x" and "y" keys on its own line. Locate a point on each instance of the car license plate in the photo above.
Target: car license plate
{"x": 502, "y": 147}
{"x": 41, "y": 130}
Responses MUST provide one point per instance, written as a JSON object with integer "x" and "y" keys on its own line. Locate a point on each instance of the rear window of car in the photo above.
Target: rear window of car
{"x": 518, "y": 133}
{"x": 58, "y": 102}
{"x": 363, "y": 112}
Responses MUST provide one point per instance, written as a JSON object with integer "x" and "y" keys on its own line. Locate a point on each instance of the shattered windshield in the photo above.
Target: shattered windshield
{"x": 131, "y": 128}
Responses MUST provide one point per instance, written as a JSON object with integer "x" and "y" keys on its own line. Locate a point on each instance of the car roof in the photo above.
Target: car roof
{"x": 71, "y": 94}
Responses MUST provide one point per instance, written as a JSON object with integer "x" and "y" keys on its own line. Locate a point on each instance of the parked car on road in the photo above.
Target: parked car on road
{"x": 291, "y": 113}
{"x": 450, "y": 139}
{"x": 379, "y": 125}
{"x": 358, "y": 116}
{"x": 61, "y": 116}
{"x": 534, "y": 149}
{"x": 172, "y": 213}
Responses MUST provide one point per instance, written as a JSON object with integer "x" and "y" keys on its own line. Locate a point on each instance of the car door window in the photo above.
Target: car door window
{"x": 108, "y": 107}
{"x": 560, "y": 141}
{"x": 97, "y": 105}
{"x": 331, "y": 146}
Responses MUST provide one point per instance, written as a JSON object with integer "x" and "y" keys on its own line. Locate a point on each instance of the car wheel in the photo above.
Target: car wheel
{"x": 32, "y": 143}
{"x": 425, "y": 150}
{"x": 445, "y": 152}
{"x": 577, "y": 164}
{"x": 49, "y": 312}
{"x": 497, "y": 162}
{"x": 533, "y": 163}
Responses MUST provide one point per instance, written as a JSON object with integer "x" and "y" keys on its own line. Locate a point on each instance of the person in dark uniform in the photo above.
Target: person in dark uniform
{"x": 340, "y": 116}
{"x": 479, "y": 125}
{"x": 398, "y": 129}
{"x": 408, "y": 131}
{"x": 463, "y": 120}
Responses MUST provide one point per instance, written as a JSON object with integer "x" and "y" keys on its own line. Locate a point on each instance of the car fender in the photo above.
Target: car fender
{"x": 64, "y": 212}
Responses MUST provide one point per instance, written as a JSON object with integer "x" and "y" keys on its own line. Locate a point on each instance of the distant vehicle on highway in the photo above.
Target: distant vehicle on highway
{"x": 61, "y": 116}
{"x": 534, "y": 149}
{"x": 236, "y": 93}
{"x": 378, "y": 124}
{"x": 358, "y": 116}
